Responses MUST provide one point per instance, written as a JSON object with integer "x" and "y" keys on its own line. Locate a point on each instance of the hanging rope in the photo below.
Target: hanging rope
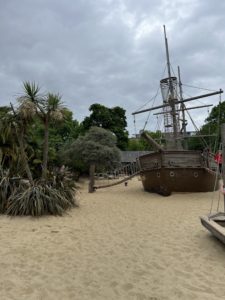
{"x": 196, "y": 87}
{"x": 146, "y": 122}
{"x": 216, "y": 180}
{"x": 152, "y": 99}
{"x": 218, "y": 128}
{"x": 195, "y": 126}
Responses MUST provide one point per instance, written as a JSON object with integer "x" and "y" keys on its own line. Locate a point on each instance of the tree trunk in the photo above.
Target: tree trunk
{"x": 24, "y": 157}
{"x": 91, "y": 178}
{"x": 45, "y": 150}
{"x": 20, "y": 137}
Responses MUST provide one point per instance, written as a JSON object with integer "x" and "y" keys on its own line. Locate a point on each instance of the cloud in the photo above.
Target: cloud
{"x": 110, "y": 52}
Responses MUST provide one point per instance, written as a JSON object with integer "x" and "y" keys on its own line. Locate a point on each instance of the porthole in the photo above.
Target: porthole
{"x": 172, "y": 174}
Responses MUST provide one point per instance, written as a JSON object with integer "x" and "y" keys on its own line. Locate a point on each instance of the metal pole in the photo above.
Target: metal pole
{"x": 223, "y": 154}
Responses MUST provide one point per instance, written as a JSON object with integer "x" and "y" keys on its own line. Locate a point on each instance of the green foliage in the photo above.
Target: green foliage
{"x": 6, "y": 190}
{"x": 140, "y": 144}
{"x": 29, "y": 135}
{"x": 112, "y": 119}
{"x": 210, "y": 128}
{"x": 60, "y": 133}
{"x": 18, "y": 197}
{"x": 97, "y": 146}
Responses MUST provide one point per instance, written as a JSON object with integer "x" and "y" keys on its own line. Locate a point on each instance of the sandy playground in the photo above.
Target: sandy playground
{"x": 122, "y": 243}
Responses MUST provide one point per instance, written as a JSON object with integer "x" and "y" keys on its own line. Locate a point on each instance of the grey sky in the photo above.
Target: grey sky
{"x": 110, "y": 51}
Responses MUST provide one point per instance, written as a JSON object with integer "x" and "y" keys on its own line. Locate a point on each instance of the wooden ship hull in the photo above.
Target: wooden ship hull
{"x": 177, "y": 171}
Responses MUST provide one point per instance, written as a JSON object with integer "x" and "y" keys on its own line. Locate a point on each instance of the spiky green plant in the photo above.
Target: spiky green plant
{"x": 52, "y": 197}
{"x": 5, "y": 191}
{"x": 8, "y": 185}
{"x": 39, "y": 199}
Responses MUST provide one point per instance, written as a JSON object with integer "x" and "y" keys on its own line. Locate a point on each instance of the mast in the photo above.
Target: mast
{"x": 168, "y": 61}
{"x": 171, "y": 100}
{"x": 182, "y": 106}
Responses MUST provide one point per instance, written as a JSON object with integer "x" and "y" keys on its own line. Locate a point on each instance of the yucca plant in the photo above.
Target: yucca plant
{"x": 42, "y": 198}
{"x": 6, "y": 189}
{"x": 8, "y": 186}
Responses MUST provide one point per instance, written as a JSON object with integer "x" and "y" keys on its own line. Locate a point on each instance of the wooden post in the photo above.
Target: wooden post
{"x": 223, "y": 155}
{"x": 91, "y": 178}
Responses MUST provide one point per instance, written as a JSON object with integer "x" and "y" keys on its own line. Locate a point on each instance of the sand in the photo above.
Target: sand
{"x": 121, "y": 243}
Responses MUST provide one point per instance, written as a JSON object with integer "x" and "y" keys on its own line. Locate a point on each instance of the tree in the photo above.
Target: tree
{"x": 96, "y": 148}
{"x": 52, "y": 195}
{"x": 47, "y": 108}
{"x": 112, "y": 119}
{"x": 210, "y": 128}
{"x": 140, "y": 144}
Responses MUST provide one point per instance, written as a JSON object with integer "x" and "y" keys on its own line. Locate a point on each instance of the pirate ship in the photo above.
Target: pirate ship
{"x": 172, "y": 167}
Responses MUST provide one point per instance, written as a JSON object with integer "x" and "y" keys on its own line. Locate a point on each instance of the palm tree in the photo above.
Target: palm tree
{"x": 39, "y": 196}
{"x": 48, "y": 108}
{"x": 53, "y": 112}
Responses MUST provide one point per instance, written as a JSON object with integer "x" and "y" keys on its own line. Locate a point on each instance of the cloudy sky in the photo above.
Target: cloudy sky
{"x": 111, "y": 51}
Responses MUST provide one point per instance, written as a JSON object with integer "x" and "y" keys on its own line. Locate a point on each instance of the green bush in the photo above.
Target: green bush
{"x": 52, "y": 197}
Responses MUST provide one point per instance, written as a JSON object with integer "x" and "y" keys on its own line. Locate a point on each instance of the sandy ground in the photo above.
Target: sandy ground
{"x": 122, "y": 243}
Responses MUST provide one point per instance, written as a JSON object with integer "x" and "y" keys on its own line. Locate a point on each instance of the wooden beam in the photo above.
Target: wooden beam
{"x": 187, "y": 108}
{"x": 177, "y": 102}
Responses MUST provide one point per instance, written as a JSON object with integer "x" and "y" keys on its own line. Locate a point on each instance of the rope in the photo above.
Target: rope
{"x": 213, "y": 197}
{"x": 152, "y": 99}
{"x": 218, "y": 129}
{"x": 196, "y": 128}
{"x": 146, "y": 122}
{"x": 200, "y": 88}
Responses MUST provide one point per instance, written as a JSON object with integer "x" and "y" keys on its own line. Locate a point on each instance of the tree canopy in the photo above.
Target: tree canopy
{"x": 211, "y": 128}
{"x": 97, "y": 146}
{"x": 113, "y": 119}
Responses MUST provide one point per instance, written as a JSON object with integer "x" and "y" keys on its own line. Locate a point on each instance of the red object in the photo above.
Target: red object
{"x": 218, "y": 158}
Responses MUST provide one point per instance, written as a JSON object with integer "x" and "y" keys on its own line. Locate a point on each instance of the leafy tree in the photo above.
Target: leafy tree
{"x": 210, "y": 128}
{"x": 46, "y": 108}
{"x": 8, "y": 144}
{"x": 112, "y": 119}
{"x": 140, "y": 144}
{"x": 97, "y": 148}
{"x": 60, "y": 134}
{"x": 37, "y": 196}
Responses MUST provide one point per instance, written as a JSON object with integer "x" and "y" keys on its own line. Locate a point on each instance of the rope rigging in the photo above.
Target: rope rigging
{"x": 216, "y": 179}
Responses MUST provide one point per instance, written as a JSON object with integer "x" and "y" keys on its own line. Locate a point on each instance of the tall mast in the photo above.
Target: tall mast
{"x": 182, "y": 106}
{"x": 168, "y": 61}
{"x": 171, "y": 97}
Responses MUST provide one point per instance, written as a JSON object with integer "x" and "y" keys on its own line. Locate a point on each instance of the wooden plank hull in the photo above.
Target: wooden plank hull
{"x": 177, "y": 171}
{"x": 216, "y": 225}
{"x": 168, "y": 180}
